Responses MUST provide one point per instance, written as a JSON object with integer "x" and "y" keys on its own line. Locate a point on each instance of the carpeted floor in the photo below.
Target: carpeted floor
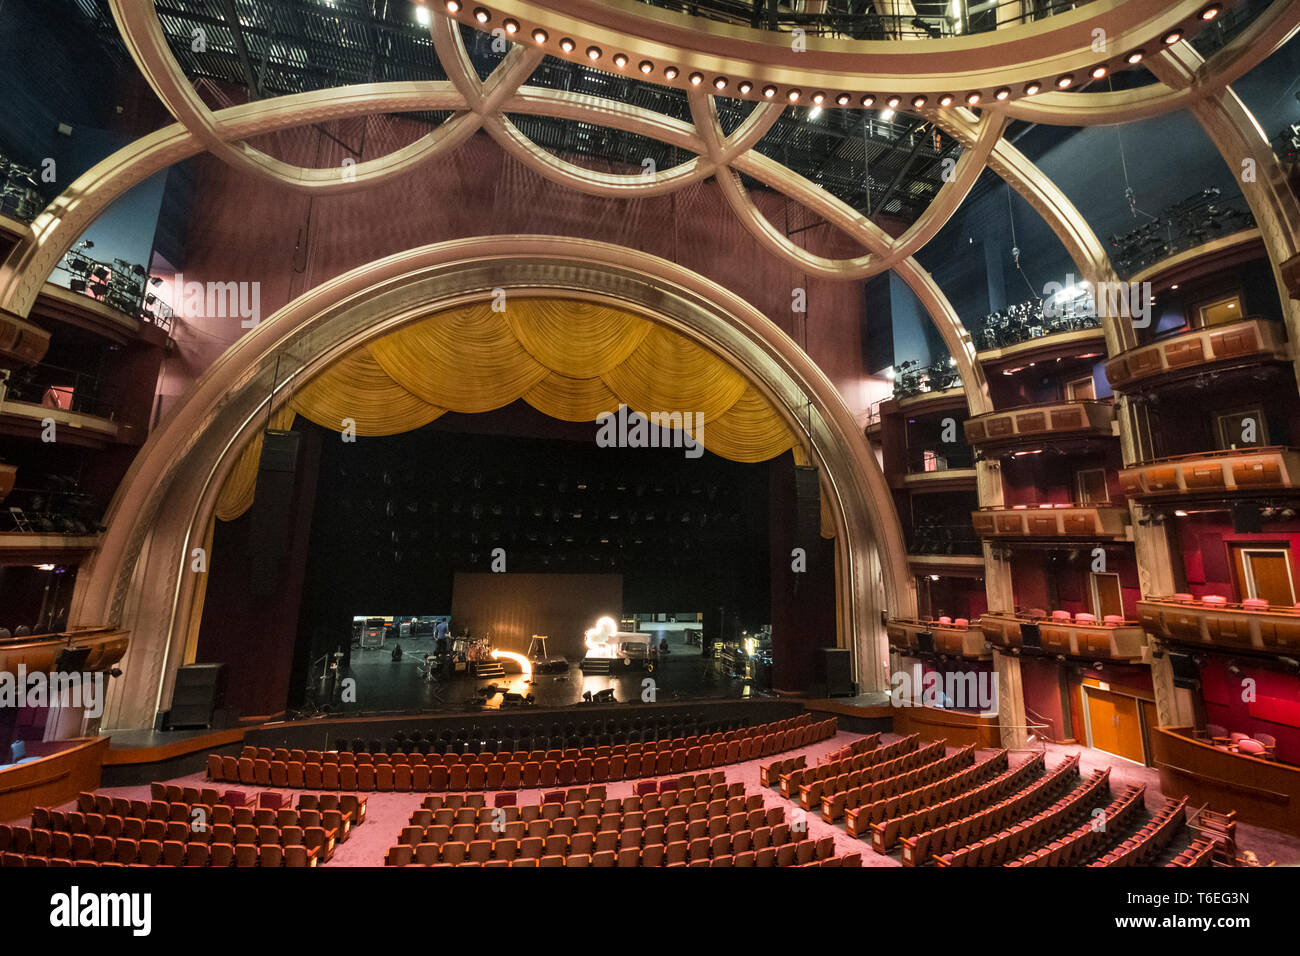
{"x": 387, "y": 813}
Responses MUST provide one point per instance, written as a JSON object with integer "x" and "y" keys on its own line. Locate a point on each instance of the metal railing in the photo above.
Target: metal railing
{"x": 52, "y": 386}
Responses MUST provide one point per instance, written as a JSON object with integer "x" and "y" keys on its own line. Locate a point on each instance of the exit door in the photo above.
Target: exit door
{"x": 1114, "y": 724}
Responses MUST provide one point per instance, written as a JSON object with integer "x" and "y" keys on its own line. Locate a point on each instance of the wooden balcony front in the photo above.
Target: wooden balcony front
{"x": 959, "y": 638}
{"x": 1267, "y": 629}
{"x": 1089, "y": 522}
{"x": 1239, "y": 469}
{"x": 104, "y": 647}
{"x": 1030, "y": 423}
{"x": 1094, "y": 640}
{"x": 1251, "y": 340}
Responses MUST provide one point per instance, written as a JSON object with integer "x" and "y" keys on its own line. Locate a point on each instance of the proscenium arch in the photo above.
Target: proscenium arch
{"x": 141, "y": 575}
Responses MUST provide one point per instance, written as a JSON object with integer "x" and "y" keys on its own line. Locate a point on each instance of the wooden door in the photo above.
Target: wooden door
{"x": 1114, "y": 723}
{"x": 1264, "y": 573}
{"x": 1106, "y": 596}
{"x": 1081, "y": 388}
{"x": 1092, "y": 486}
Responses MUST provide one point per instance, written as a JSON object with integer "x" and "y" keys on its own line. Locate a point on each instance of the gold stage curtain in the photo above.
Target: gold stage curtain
{"x": 356, "y": 387}
{"x": 237, "y": 493}
{"x": 572, "y": 399}
{"x": 750, "y": 430}
{"x": 571, "y": 360}
{"x": 670, "y": 373}
{"x": 575, "y": 339}
{"x": 466, "y": 360}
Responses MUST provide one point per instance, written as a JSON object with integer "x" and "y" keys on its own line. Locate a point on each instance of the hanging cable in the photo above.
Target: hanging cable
{"x": 1015, "y": 246}
{"x": 1129, "y": 196}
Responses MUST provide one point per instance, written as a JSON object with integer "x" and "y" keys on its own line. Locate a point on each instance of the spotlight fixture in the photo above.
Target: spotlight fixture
{"x": 453, "y": 6}
{"x": 867, "y": 100}
{"x": 1003, "y": 94}
{"x": 696, "y": 79}
{"x": 842, "y": 99}
{"x": 567, "y": 45}
{"x": 793, "y": 95}
{"x": 1098, "y": 72}
{"x": 946, "y": 99}
{"x": 818, "y": 97}
{"x": 1210, "y": 12}
{"x": 1032, "y": 88}
{"x": 620, "y": 60}
{"x": 720, "y": 83}
{"x": 481, "y": 14}
{"x": 973, "y": 98}
{"x": 670, "y": 72}
{"x": 918, "y": 101}
{"x": 645, "y": 66}
{"x": 1135, "y": 57}
{"x": 1065, "y": 81}
{"x": 511, "y": 25}
{"x": 593, "y": 53}
{"x": 1172, "y": 37}
{"x": 539, "y": 35}
{"x": 744, "y": 87}
{"x": 769, "y": 92}
{"x": 895, "y": 102}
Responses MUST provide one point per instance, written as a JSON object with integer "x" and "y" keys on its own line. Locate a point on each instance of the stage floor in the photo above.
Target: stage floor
{"x": 385, "y": 685}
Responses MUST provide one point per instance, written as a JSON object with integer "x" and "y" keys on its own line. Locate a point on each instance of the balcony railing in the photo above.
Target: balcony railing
{"x": 953, "y": 637}
{"x": 51, "y": 386}
{"x": 1250, "y": 339}
{"x": 1092, "y": 522}
{"x": 1238, "y": 469}
{"x": 1070, "y": 419}
{"x": 1214, "y": 621}
{"x": 1113, "y": 639}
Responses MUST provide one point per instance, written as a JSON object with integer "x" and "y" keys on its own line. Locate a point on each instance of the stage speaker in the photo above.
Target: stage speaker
{"x": 807, "y": 507}
{"x": 837, "y": 672}
{"x": 1186, "y": 672}
{"x": 272, "y": 512}
{"x": 198, "y": 692}
{"x": 1245, "y": 518}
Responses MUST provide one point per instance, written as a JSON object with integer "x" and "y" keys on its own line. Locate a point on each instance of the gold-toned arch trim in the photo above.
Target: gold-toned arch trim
{"x": 571, "y": 359}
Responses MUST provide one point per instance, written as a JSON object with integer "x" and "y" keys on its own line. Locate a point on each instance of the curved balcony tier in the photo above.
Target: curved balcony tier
{"x": 104, "y": 647}
{"x": 1243, "y": 470}
{"x": 1114, "y": 640}
{"x": 1214, "y": 622}
{"x": 1250, "y": 340}
{"x": 1030, "y": 424}
{"x": 1091, "y": 522}
{"x": 955, "y": 638}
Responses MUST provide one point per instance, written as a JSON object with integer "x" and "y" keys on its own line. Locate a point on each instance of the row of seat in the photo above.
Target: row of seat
{"x": 633, "y": 857}
{"x": 905, "y": 771}
{"x": 974, "y": 816}
{"x": 1200, "y": 852}
{"x": 1145, "y": 845}
{"x": 954, "y": 774}
{"x": 1086, "y": 840}
{"x": 988, "y": 806}
{"x": 1035, "y": 830}
{"x": 507, "y": 776}
{"x": 852, "y": 748}
{"x": 769, "y": 773}
{"x": 789, "y": 783}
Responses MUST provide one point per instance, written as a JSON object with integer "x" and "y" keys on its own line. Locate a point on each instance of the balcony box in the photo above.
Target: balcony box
{"x": 1229, "y": 626}
{"x": 1251, "y": 339}
{"x": 1092, "y": 522}
{"x": 1031, "y": 423}
{"x": 1239, "y": 469}
{"x": 1099, "y": 640}
{"x": 908, "y": 636}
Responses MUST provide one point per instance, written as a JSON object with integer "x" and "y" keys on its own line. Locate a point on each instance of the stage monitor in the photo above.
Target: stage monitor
{"x": 1186, "y": 671}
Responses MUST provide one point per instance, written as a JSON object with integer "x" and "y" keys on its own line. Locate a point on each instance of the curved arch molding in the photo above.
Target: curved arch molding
{"x": 140, "y": 576}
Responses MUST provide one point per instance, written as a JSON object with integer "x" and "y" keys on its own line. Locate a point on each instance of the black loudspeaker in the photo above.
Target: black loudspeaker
{"x": 272, "y": 511}
{"x": 807, "y": 507}
{"x": 1245, "y": 518}
{"x": 837, "y": 672}
{"x": 1186, "y": 671}
{"x": 199, "y": 691}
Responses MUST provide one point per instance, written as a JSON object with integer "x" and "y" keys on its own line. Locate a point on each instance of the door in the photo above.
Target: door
{"x": 1081, "y": 388}
{"x": 1106, "y": 596}
{"x": 1264, "y": 573}
{"x": 1113, "y": 723}
{"x": 1092, "y": 486}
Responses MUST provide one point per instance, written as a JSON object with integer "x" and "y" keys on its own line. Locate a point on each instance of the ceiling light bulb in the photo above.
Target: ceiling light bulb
{"x": 1098, "y": 72}
{"x": 793, "y": 95}
{"x": 818, "y": 98}
{"x": 481, "y": 15}
{"x": 453, "y": 6}
{"x": 769, "y": 91}
{"x": 593, "y": 53}
{"x": 1032, "y": 88}
{"x": 918, "y": 101}
{"x": 1172, "y": 37}
{"x": 1136, "y": 56}
{"x": 540, "y": 35}
{"x": 973, "y": 98}
{"x": 697, "y": 79}
{"x": 720, "y": 83}
{"x": 670, "y": 72}
{"x": 946, "y": 99}
{"x": 567, "y": 45}
{"x": 867, "y": 100}
{"x": 620, "y": 60}
{"x": 895, "y": 102}
{"x": 512, "y": 26}
{"x": 645, "y": 66}
{"x": 842, "y": 99}
{"x": 1003, "y": 94}
{"x": 744, "y": 87}
{"x": 422, "y": 16}
{"x": 1210, "y": 12}
{"x": 1064, "y": 82}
